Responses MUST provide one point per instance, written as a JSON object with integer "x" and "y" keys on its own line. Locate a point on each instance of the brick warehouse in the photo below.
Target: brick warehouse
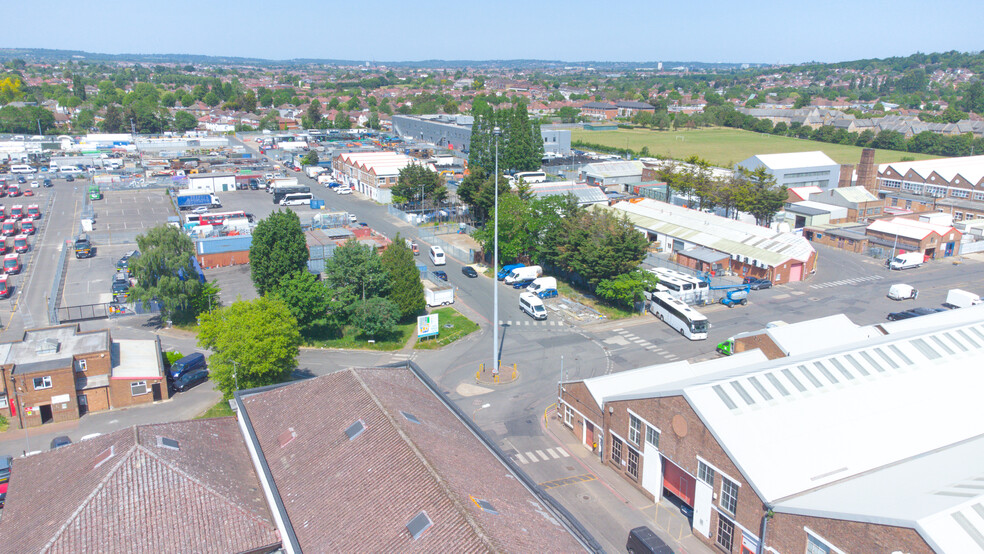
{"x": 59, "y": 374}
{"x": 816, "y": 450}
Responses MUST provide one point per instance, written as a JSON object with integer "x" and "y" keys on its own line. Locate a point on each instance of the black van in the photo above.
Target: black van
{"x": 188, "y": 363}
{"x": 642, "y": 540}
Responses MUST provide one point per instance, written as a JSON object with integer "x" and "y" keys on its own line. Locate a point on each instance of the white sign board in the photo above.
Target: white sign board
{"x": 60, "y": 399}
{"x": 427, "y": 326}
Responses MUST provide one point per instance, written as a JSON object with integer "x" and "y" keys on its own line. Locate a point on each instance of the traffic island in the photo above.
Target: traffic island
{"x": 486, "y": 375}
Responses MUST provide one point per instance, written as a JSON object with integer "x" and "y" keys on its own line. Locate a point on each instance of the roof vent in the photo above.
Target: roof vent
{"x": 485, "y": 505}
{"x": 410, "y": 417}
{"x": 165, "y": 442}
{"x": 286, "y": 437}
{"x": 355, "y": 430}
{"x": 47, "y": 346}
{"x": 104, "y": 456}
{"x": 419, "y": 524}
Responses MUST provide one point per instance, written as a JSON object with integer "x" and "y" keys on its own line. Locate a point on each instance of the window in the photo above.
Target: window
{"x": 815, "y": 546}
{"x": 705, "y": 473}
{"x": 633, "y": 465}
{"x": 725, "y": 534}
{"x": 652, "y": 436}
{"x": 635, "y": 429}
{"x": 42, "y": 383}
{"x": 138, "y": 387}
{"x": 568, "y": 416}
{"x": 82, "y": 365}
{"x": 616, "y": 451}
{"x": 729, "y": 495}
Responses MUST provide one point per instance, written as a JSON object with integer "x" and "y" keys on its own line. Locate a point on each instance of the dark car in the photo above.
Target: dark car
{"x": 59, "y": 442}
{"x": 189, "y": 379}
{"x": 69, "y": 178}
{"x": 5, "y": 462}
{"x": 83, "y": 246}
{"x": 47, "y": 183}
{"x": 189, "y": 363}
{"x": 21, "y": 180}
{"x": 522, "y": 284}
{"x": 643, "y": 540}
{"x": 757, "y": 284}
{"x": 441, "y": 275}
{"x": 914, "y": 312}
{"x": 124, "y": 262}
{"x": 254, "y": 184}
{"x": 469, "y": 271}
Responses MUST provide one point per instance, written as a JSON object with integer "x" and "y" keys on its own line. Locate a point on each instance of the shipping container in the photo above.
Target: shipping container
{"x": 216, "y": 245}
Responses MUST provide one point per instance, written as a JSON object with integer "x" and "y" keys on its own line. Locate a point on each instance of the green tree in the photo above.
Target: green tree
{"x": 515, "y": 220}
{"x": 376, "y": 317}
{"x": 278, "y": 249}
{"x": 341, "y": 121}
{"x": 85, "y": 120}
{"x": 314, "y": 112}
{"x": 626, "y": 289}
{"x": 112, "y": 119}
{"x": 416, "y": 180}
{"x": 355, "y": 273}
{"x": 311, "y": 158}
{"x": 406, "y": 290}
{"x": 254, "y": 343}
{"x": 184, "y": 121}
{"x": 78, "y": 87}
{"x": 211, "y": 99}
{"x": 764, "y": 198}
{"x": 164, "y": 270}
{"x": 308, "y": 300}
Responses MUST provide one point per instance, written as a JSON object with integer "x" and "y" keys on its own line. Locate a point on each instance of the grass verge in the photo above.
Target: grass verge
{"x": 461, "y": 327}
{"x": 610, "y": 312}
{"x": 221, "y": 409}
{"x": 352, "y": 339}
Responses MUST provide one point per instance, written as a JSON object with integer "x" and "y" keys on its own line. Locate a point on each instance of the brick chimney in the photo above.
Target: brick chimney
{"x": 867, "y": 172}
{"x": 846, "y": 176}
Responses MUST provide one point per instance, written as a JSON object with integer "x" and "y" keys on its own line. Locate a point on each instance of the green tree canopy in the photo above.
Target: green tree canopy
{"x": 355, "y": 273}
{"x": 163, "y": 270}
{"x": 376, "y": 317}
{"x": 278, "y": 249}
{"x": 406, "y": 289}
{"x": 626, "y": 289}
{"x": 308, "y": 300}
{"x": 184, "y": 121}
{"x": 416, "y": 179}
{"x": 311, "y": 158}
{"x": 253, "y": 342}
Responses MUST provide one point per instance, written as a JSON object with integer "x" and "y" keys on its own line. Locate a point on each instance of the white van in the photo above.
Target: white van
{"x": 901, "y": 291}
{"x": 437, "y": 255}
{"x": 542, "y": 286}
{"x": 71, "y": 170}
{"x": 532, "y": 306}
{"x": 906, "y": 261}
{"x": 21, "y": 168}
{"x": 523, "y": 273}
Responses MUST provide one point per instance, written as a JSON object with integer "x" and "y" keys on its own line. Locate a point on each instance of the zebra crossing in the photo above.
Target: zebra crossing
{"x": 402, "y": 356}
{"x": 853, "y": 281}
{"x": 638, "y": 341}
{"x": 534, "y": 456}
{"x": 531, "y": 323}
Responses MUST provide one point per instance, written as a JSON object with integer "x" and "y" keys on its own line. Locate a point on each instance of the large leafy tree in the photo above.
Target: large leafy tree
{"x": 355, "y": 273}
{"x": 184, "y": 121}
{"x": 406, "y": 289}
{"x": 515, "y": 239}
{"x": 308, "y": 301}
{"x": 278, "y": 249}
{"x": 764, "y": 198}
{"x": 376, "y": 317}
{"x": 626, "y": 289}
{"x": 164, "y": 269}
{"x": 254, "y": 343}
{"x": 415, "y": 180}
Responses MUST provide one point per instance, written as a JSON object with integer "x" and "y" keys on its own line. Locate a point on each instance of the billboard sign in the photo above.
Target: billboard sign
{"x": 427, "y": 326}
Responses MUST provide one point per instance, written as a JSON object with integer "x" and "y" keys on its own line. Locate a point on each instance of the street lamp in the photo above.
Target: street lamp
{"x": 496, "y": 132}
{"x": 235, "y": 373}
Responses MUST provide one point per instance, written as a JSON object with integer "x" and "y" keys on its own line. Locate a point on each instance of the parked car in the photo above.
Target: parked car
{"x": 69, "y": 178}
{"x": 353, "y": 218}
{"x": 21, "y": 179}
{"x": 189, "y": 379}
{"x": 124, "y": 262}
{"x": 35, "y": 184}
{"x": 914, "y": 312}
{"x": 200, "y": 210}
{"x": 441, "y": 275}
{"x": 522, "y": 284}
{"x": 47, "y": 183}
{"x": 757, "y": 284}
{"x": 60, "y": 441}
{"x": 643, "y": 540}
{"x": 5, "y": 462}
{"x": 191, "y": 362}
{"x": 469, "y": 271}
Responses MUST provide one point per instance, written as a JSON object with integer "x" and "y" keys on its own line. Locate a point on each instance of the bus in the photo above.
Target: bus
{"x": 296, "y": 199}
{"x": 686, "y": 320}
{"x": 677, "y": 288}
{"x": 690, "y": 289}
{"x": 529, "y": 177}
{"x": 280, "y": 191}
{"x": 219, "y": 218}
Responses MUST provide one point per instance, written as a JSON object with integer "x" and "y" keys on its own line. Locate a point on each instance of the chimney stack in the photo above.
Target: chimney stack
{"x": 846, "y": 176}
{"x": 867, "y": 173}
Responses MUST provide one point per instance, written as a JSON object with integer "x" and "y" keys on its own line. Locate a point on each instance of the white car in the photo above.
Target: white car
{"x": 344, "y": 190}
{"x": 352, "y": 218}
{"x": 200, "y": 210}
{"x": 34, "y": 184}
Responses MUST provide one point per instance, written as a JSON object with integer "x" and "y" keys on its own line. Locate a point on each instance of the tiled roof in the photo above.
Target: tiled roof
{"x": 123, "y": 492}
{"x": 359, "y": 494}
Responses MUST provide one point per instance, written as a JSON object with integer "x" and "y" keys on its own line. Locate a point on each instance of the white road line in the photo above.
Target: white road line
{"x": 531, "y": 457}
{"x": 521, "y": 459}
{"x": 542, "y": 455}
{"x": 553, "y": 454}
{"x": 563, "y": 452}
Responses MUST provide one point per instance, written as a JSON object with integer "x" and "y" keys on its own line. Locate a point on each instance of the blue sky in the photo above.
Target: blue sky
{"x": 766, "y": 31}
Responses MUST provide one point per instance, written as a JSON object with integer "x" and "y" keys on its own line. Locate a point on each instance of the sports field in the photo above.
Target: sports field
{"x": 724, "y": 147}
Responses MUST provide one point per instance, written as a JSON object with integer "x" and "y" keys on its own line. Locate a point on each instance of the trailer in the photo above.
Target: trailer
{"x": 437, "y": 294}
{"x": 194, "y": 200}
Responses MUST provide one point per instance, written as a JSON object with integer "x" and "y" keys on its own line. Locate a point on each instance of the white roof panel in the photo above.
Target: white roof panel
{"x": 794, "y": 160}
{"x": 801, "y": 338}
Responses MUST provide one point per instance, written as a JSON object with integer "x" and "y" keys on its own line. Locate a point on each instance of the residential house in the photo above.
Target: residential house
{"x": 599, "y": 110}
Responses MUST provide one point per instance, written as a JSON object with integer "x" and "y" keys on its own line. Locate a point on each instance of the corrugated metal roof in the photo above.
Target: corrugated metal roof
{"x": 605, "y": 170}
{"x": 970, "y": 168}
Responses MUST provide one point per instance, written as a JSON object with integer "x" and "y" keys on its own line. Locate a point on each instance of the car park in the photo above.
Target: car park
{"x": 469, "y": 271}
{"x": 757, "y": 284}
{"x": 189, "y": 379}
{"x": 60, "y": 441}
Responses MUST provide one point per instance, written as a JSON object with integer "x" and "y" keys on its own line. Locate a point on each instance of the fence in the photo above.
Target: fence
{"x": 460, "y": 254}
{"x": 54, "y": 298}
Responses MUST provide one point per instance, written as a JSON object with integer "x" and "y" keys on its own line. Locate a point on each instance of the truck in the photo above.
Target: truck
{"x": 906, "y": 261}
{"x": 314, "y": 171}
{"x": 324, "y": 178}
{"x": 437, "y": 294}
{"x": 957, "y": 298}
{"x": 544, "y": 287}
{"x": 194, "y": 200}
{"x": 523, "y": 273}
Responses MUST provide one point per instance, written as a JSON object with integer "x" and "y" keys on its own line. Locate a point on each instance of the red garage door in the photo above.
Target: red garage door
{"x": 795, "y": 272}
{"x": 679, "y": 482}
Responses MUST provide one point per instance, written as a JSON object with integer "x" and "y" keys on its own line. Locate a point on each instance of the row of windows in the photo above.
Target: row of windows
{"x": 136, "y": 387}
{"x": 932, "y": 190}
{"x": 808, "y": 174}
{"x": 729, "y": 489}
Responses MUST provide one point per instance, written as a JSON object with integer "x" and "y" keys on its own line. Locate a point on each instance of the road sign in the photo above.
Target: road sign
{"x": 427, "y": 326}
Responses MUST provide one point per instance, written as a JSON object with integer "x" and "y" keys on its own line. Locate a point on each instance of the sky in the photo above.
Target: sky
{"x": 754, "y": 31}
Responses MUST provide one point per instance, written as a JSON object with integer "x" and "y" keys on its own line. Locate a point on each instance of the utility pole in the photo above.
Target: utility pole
{"x": 496, "y": 132}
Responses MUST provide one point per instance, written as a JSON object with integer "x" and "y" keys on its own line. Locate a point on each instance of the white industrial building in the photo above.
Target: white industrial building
{"x": 212, "y": 182}
{"x": 371, "y": 173}
{"x": 797, "y": 169}
{"x": 614, "y": 176}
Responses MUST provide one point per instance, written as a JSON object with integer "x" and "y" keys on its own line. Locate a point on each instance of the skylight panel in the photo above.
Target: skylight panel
{"x": 809, "y": 376}
{"x": 775, "y": 383}
{"x": 840, "y": 367}
{"x": 419, "y": 524}
{"x": 925, "y": 349}
{"x": 939, "y": 342}
{"x": 355, "y": 430}
{"x": 758, "y": 386}
{"x": 969, "y": 339}
{"x": 953, "y": 339}
{"x": 872, "y": 361}
{"x": 898, "y": 352}
{"x": 725, "y": 398}
{"x": 742, "y": 393}
{"x": 826, "y": 372}
{"x": 792, "y": 379}
{"x": 857, "y": 365}
{"x": 881, "y": 354}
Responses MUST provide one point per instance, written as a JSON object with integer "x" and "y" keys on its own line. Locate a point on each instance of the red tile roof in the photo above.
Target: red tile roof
{"x": 123, "y": 492}
{"x": 358, "y": 495}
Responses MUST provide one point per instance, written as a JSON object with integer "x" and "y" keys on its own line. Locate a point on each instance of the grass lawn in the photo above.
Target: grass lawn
{"x": 462, "y": 327}
{"x": 221, "y": 409}
{"x": 352, "y": 340}
{"x": 724, "y": 147}
{"x": 611, "y": 312}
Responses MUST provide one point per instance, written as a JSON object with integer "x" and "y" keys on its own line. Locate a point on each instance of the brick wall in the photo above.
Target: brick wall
{"x": 821, "y": 236}
{"x": 97, "y": 398}
{"x": 121, "y": 393}
{"x": 786, "y": 533}
{"x": 576, "y": 396}
{"x": 62, "y": 383}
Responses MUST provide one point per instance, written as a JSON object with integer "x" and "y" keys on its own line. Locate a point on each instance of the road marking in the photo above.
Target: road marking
{"x": 553, "y": 454}
{"x": 563, "y": 452}
{"x": 568, "y": 481}
{"x": 542, "y": 455}
{"x": 521, "y": 459}
{"x": 532, "y": 457}
{"x": 851, "y": 281}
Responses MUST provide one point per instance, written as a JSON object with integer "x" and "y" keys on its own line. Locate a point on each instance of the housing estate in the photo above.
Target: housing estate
{"x": 868, "y": 440}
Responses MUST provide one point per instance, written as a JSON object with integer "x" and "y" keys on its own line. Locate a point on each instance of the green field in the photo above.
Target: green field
{"x": 724, "y": 147}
